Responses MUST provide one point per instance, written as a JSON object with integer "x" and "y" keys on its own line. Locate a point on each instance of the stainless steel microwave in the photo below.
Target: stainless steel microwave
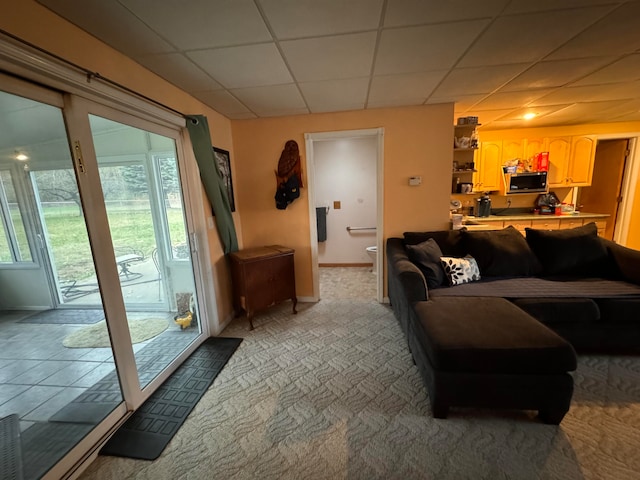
{"x": 529, "y": 182}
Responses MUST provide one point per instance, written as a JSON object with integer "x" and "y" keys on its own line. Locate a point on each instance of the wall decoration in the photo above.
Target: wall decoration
{"x": 224, "y": 165}
{"x": 288, "y": 175}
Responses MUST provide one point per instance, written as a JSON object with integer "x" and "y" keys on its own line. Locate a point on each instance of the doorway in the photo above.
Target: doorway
{"x": 344, "y": 171}
{"x": 604, "y": 195}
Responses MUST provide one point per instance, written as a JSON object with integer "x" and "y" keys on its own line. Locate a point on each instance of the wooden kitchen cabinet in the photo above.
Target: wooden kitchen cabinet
{"x": 512, "y": 149}
{"x": 571, "y": 161}
{"x": 262, "y": 276}
{"x": 559, "y": 149}
{"x": 547, "y": 223}
{"x": 533, "y": 146}
{"x": 580, "y": 168}
{"x": 489, "y": 169}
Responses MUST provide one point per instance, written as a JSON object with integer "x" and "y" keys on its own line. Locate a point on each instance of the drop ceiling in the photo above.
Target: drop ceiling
{"x": 569, "y": 61}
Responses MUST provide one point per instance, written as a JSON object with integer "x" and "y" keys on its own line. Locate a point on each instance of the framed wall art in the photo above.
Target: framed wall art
{"x": 224, "y": 165}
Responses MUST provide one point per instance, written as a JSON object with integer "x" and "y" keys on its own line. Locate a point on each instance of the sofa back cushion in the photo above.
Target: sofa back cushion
{"x": 449, "y": 241}
{"x": 426, "y": 255}
{"x": 501, "y": 253}
{"x": 574, "y": 251}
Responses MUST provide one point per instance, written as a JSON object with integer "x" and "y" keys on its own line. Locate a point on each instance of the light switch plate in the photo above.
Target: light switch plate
{"x": 336, "y": 205}
{"x": 415, "y": 181}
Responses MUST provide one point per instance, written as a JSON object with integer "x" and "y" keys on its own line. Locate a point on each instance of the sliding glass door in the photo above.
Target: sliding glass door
{"x": 98, "y": 295}
{"x": 139, "y": 178}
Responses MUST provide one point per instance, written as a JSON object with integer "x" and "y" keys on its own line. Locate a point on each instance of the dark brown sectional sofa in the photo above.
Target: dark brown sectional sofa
{"x": 507, "y": 337}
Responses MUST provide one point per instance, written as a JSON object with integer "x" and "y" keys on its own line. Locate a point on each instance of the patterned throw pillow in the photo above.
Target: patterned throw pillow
{"x": 460, "y": 270}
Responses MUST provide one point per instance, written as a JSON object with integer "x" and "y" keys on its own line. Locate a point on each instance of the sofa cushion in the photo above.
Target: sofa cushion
{"x": 619, "y": 310}
{"x": 449, "y": 241}
{"x": 460, "y": 270}
{"x": 575, "y": 251}
{"x": 560, "y": 310}
{"x": 488, "y": 335}
{"x": 426, "y": 255}
{"x": 502, "y": 253}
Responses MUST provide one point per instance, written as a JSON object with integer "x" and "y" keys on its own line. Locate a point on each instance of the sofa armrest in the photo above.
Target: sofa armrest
{"x": 627, "y": 260}
{"x": 403, "y": 274}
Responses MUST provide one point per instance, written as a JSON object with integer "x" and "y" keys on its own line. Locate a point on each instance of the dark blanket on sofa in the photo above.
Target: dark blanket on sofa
{"x": 534, "y": 287}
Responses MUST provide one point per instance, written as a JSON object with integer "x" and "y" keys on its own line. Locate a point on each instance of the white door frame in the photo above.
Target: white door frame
{"x": 310, "y": 138}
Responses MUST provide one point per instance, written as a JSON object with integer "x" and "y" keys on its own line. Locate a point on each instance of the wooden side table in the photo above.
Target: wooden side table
{"x": 262, "y": 276}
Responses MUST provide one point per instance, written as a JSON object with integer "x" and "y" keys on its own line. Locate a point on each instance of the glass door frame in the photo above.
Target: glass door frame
{"x": 77, "y": 111}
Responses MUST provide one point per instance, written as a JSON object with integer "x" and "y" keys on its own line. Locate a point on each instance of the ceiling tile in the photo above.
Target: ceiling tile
{"x": 327, "y": 58}
{"x": 247, "y": 66}
{"x": 403, "y": 89}
{"x": 567, "y": 95}
{"x": 486, "y": 116}
{"x": 555, "y": 73}
{"x": 540, "y": 112}
{"x": 625, "y": 90}
{"x": 113, "y": 24}
{"x": 625, "y": 69}
{"x": 478, "y": 80}
{"x": 625, "y": 109}
{"x": 179, "y": 70}
{"x": 528, "y": 38}
{"x": 222, "y": 101}
{"x": 202, "y": 23}
{"x": 334, "y": 95}
{"x": 272, "y": 100}
{"x": 527, "y": 6}
{"x": 307, "y": 18}
{"x": 616, "y": 34}
{"x": 462, "y": 102}
{"x": 426, "y": 48}
{"x": 420, "y": 12}
{"x": 587, "y": 112}
{"x": 511, "y": 100}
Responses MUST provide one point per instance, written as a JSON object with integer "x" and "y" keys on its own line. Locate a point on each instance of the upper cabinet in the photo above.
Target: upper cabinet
{"x": 512, "y": 149}
{"x": 580, "y": 168}
{"x": 571, "y": 159}
{"x": 559, "y": 149}
{"x": 489, "y": 169}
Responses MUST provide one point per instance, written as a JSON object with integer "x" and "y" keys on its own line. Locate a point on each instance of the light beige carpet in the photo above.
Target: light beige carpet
{"x": 332, "y": 393}
{"x": 97, "y": 335}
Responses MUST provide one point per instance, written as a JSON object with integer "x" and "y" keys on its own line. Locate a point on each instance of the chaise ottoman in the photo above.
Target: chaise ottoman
{"x": 486, "y": 352}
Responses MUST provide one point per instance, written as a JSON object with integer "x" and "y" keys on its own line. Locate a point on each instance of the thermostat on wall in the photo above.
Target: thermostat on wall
{"x": 415, "y": 181}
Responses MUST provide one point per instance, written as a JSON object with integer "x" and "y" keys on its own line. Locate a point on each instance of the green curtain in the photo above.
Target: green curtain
{"x": 212, "y": 179}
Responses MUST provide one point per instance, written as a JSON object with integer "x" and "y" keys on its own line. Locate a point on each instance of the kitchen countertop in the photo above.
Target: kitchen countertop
{"x": 533, "y": 216}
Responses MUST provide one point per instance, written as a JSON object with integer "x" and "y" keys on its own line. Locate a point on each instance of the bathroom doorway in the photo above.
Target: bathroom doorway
{"x": 345, "y": 209}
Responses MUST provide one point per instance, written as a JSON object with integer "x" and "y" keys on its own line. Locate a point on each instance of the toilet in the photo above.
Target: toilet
{"x": 373, "y": 253}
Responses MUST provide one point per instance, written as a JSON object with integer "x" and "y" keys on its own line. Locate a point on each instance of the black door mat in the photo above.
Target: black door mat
{"x": 61, "y": 316}
{"x": 45, "y": 443}
{"x": 150, "y": 429}
{"x": 10, "y": 448}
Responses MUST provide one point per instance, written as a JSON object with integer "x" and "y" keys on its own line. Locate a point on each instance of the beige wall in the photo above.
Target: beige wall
{"x": 417, "y": 141}
{"x": 35, "y": 24}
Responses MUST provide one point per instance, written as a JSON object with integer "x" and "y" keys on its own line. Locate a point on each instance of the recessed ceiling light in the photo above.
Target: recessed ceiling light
{"x": 529, "y": 116}
{"x": 22, "y": 157}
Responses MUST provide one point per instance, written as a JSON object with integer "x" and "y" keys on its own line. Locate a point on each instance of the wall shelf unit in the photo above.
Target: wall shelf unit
{"x": 465, "y": 144}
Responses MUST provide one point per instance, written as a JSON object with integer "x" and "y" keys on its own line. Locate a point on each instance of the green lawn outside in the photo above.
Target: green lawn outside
{"x": 130, "y": 229}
